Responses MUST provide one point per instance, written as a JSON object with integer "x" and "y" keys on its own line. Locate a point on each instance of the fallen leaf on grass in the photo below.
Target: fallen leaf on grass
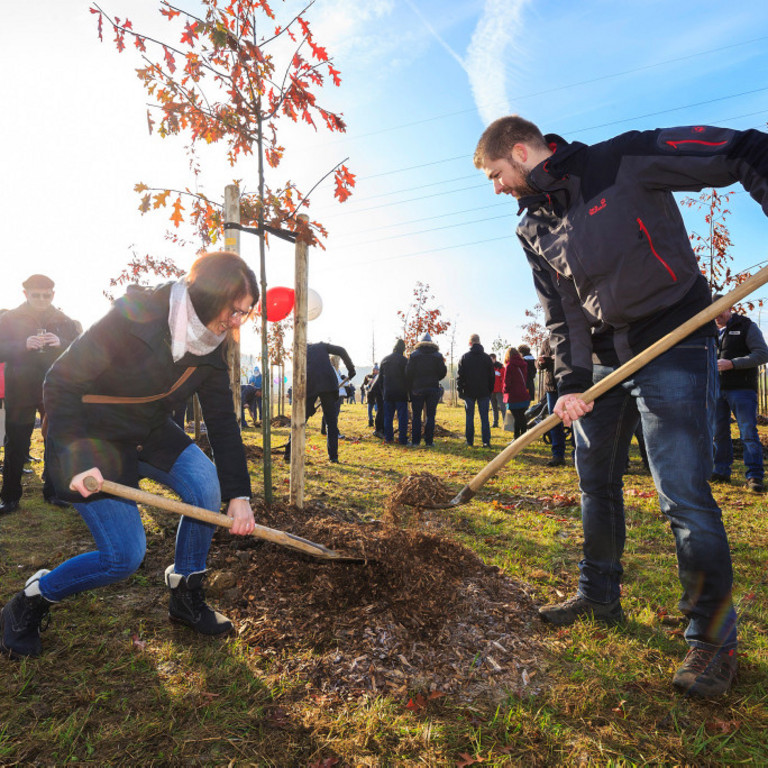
{"x": 328, "y": 762}
{"x": 723, "y": 726}
{"x": 468, "y": 760}
{"x": 138, "y": 642}
{"x": 639, "y": 494}
{"x": 619, "y": 710}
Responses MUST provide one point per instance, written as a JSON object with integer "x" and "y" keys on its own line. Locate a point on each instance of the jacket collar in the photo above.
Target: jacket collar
{"x": 553, "y": 177}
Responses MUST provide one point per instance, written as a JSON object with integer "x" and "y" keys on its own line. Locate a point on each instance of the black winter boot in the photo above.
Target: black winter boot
{"x": 188, "y": 604}
{"x": 21, "y": 620}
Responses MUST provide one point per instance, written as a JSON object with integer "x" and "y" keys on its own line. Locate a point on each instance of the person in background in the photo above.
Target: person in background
{"x": 376, "y": 399}
{"x": 255, "y": 381}
{"x": 475, "y": 379}
{"x": 497, "y": 396}
{"x": 615, "y": 272}
{"x": 516, "y": 394}
{"x": 109, "y": 401}
{"x": 394, "y": 390}
{"x": 247, "y": 400}
{"x": 32, "y": 336}
{"x": 546, "y": 363}
{"x": 367, "y": 384}
{"x": 423, "y": 372}
{"x": 741, "y": 349}
{"x": 530, "y": 378}
{"x": 323, "y": 384}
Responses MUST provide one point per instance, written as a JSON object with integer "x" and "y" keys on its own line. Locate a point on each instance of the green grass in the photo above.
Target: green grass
{"x": 119, "y": 685}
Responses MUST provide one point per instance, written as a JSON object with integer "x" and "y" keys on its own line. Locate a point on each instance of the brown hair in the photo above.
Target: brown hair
{"x": 216, "y": 280}
{"x": 509, "y": 354}
{"x": 502, "y": 134}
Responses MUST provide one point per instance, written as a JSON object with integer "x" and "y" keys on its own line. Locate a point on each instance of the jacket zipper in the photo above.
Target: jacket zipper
{"x": 647, "y": 234}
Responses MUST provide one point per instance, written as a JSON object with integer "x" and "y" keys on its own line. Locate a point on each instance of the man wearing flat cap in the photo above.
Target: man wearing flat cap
{"x": 32, "y": 336}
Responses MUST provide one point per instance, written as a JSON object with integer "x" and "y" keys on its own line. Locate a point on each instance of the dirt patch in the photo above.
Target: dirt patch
{"x": 422, "y": 614}
{"x": 281, "y": 421}
{"x": 443, "y": 432}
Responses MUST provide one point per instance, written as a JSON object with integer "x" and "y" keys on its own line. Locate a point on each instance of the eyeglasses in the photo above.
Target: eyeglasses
{"x": 41, "y": 294}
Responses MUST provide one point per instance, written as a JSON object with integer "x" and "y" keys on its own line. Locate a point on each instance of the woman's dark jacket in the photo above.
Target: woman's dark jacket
{"x": 128, "y": 354}
{"x": 425, "y": 367}
{"x": 394, "y": 386}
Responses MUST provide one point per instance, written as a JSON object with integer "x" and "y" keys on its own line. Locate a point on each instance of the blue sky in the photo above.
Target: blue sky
{"x": 421, "y": 79}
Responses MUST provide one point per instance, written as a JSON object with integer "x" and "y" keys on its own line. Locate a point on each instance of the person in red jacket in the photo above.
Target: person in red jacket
{"x": 515, "y": 388}
{"x": 497, "y": 396}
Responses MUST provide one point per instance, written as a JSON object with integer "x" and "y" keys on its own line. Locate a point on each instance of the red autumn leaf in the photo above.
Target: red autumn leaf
{"x": 418, "y": 704}
{"x": 137, "y": 642}
{"x": 190, "y": 34}
{"x": 176, "y": 216}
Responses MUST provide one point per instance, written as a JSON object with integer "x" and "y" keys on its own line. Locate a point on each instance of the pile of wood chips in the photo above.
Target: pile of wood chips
{"x": 281, "y": 421}
{"x": 421, "y": 614}
{"x": 422, "y": 491}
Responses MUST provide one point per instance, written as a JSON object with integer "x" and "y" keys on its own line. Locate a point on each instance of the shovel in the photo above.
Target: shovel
{"x": 205, "y": 515}
{"x": 623, "y": 372}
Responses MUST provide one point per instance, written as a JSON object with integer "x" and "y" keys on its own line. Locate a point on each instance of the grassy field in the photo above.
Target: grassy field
{"x": 119, "y": 685}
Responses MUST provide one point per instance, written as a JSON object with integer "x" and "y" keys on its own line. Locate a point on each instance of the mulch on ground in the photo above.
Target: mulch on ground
{"x": 422, "y": 613}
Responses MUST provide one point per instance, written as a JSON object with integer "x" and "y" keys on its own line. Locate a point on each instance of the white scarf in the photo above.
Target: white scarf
{"x": 188, "y": 334}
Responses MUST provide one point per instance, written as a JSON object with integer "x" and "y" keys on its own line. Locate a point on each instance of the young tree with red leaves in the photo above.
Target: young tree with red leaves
{"x": 712, "y": 249}
{"x": 221, "y": 81}
{"x": 534, "y": 331}
{"x": 419, "y": 319}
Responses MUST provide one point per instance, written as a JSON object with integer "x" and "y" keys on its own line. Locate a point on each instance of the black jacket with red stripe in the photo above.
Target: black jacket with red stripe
{"x": 611, "y": 258}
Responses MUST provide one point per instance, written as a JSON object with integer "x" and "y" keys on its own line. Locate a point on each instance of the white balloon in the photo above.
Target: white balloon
{"x": 314, "y": 304}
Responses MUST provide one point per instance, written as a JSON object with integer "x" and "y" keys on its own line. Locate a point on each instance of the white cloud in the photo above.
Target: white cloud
{"x": 494, "y": 42}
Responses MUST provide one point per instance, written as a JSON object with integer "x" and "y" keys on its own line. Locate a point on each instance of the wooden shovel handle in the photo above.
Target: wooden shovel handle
{"x": 205, "y": 515}
{"x": 620, "y": 374}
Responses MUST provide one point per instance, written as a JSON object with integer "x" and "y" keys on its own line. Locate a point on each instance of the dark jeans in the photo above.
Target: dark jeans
{"x": 118, "y": 531}
{"x": 675, "y": 397}
{"x": 469, "y": 422}
{"x": 430, "y": 398}
{"x": 401, "y": 408}
{"x": 557, "y": 433}
{"x": 521, "y": 423}
{"x": 18, "y": 437}
{"x": 743, "y": 404}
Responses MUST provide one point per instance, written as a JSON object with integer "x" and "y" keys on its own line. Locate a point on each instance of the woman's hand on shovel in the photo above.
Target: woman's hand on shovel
{"x": 78, "y": 482}
{"x": 571, "y": 407}
{"x": 242, "y": 517}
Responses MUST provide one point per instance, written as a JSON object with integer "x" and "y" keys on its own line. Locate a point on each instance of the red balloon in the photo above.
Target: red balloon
{"x": 280, "y": 302}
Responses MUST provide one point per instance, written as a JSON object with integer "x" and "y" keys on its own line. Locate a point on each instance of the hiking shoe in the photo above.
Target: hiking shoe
{"x": 707, "y": 672}
{"x": 755, "y": 485}
{"x": 563, "y": 614}
{"x": 21, "y": 620}
{"x": 716, "y": 477}
{"x": 556, "y": 461}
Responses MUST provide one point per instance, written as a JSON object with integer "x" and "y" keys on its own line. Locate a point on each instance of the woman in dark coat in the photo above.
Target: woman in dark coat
{"x": 515, "y": 388}
{"x": 109, "y": 401}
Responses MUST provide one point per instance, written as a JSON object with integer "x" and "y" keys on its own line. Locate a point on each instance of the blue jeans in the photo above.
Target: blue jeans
{"x": 116, "y": 527}
{"x": 430, "y": 398}
{"x": 675, "y": 397}
{"x": 557, "y": 433}
{"x": 469, "y": 423}
{"x": 743, "y": 404}
{"x": 401, "y": 408}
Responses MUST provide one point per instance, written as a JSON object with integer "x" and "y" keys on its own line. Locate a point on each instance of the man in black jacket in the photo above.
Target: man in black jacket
{"x": 32, "y": 336}
{"x": 323, "y": 384}
{"x": 615, "y": 272}
{"x": 424, "y": 370}
{"x": 474, "y": 382}
{"x": 741, "y": 349}
{"x": 394, "y": 391}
